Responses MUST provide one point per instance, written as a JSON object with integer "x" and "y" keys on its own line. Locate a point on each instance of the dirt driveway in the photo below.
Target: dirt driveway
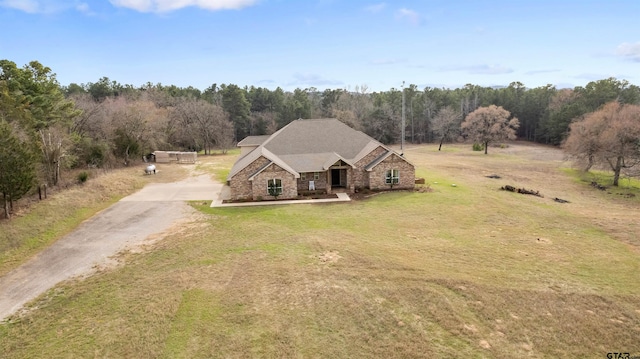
{"x": 128, "y": 223}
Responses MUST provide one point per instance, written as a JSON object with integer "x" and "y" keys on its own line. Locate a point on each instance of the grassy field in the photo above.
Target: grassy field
{"x": 456, "y": 271}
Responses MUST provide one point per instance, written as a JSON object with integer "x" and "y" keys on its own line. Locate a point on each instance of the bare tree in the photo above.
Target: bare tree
{"x": 583, "y": 143}
{"x": 608, "y": 136}
{"x": 446, "y": 124}
{"x": 129, "y": 134}
{"x": 54, "y": 145}
{"x": 129, "y": 127}
{"x": 347, "y": 117}
{"x": 91, "y": 116}
{"x": 223, "y": 134}
{"x": 383, "y": 124}
{"x": 361, "y": 104}
{"x": 205, "y": 123}
{"x": 353, "y": 108}
{"x": 490, "y": 124}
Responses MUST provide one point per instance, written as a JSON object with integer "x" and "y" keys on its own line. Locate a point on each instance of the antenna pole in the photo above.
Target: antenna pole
{"x": 402, "y": 139}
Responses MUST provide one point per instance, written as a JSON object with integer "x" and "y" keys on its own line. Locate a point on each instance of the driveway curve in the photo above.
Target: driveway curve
{"x": 150, "y": 211}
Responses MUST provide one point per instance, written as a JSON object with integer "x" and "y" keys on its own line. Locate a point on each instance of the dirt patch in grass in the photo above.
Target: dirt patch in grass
{"x": 329, "y": 257}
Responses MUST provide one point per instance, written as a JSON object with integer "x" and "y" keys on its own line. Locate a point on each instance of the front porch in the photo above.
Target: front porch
{"x": 336, "y": 179}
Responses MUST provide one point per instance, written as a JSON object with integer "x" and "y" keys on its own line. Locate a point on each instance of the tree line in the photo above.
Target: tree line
{"x": 545, "y": 112}
{"x": 46, "y": 128}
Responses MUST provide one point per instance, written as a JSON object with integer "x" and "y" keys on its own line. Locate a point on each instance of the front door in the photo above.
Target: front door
{"x": 335, "y": 178}
{"x": 338, "y": 177}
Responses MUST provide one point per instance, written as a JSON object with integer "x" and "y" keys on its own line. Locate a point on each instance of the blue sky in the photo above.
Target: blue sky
{"x": 326, "y": 43}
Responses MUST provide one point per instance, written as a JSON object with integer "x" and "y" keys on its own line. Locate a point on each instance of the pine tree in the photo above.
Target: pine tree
{"x": 17, "y": 171}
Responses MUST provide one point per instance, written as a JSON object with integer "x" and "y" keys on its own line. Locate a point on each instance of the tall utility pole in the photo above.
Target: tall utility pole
{"x": 402, "y": 139}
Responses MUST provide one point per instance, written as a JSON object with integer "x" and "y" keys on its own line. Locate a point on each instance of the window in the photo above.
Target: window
{"x": 392, "y": 177}
{"x": 274, "y": 187}
{"x": 316, "y": 176}
{"x": 303, "y": 176}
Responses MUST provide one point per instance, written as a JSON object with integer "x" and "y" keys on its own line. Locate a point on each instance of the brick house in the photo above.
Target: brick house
{"x": 322, "y": 155}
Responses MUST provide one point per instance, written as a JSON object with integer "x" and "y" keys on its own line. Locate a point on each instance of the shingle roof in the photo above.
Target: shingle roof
{"x": 312, "y": 162}
{"x": 378, "y": 160}
{"x": 318, "y": 136}
{"x": 253, "y": 140}
{"x": 309, "y": 146}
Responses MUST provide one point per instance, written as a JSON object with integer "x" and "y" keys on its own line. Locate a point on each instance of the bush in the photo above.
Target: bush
{"x": 478, "y": 147}
{"x": 83, "y": 176}
{"x": 89, "y": 152}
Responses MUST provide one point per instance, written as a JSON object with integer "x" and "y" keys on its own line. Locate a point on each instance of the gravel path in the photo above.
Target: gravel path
{"x": 128, "y": 223}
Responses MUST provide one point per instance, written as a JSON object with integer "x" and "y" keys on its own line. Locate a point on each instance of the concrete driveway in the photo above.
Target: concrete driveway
{"x": 128, "y": 223}
{"x": 191, "y": 189}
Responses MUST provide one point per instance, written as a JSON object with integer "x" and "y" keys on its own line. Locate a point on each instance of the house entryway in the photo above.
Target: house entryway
{"x": 338, "y": 178}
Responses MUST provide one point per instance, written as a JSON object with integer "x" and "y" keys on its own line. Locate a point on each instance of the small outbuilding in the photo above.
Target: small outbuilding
{"x": 175, "y": 156}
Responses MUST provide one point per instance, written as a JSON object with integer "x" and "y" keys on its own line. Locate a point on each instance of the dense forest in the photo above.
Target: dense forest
{"x": 544, "y": 112}
{"x": 46, "y": 128}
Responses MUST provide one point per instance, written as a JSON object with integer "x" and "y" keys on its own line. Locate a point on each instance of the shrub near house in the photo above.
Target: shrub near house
{"x": 319, "y": 155}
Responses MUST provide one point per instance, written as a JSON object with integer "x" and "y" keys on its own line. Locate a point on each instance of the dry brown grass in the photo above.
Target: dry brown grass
{"x": 536, "y": 167}
{"x": 465, "y": 271}
{"x": 36, "y": 224}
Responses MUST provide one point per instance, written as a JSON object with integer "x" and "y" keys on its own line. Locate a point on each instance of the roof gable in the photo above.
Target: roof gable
{"x": 252, "y": 156}
{"x": 383, "y": 157}
{"x": 267, "y": 165}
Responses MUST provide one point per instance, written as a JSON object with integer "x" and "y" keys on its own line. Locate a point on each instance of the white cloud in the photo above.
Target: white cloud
{"x": 171, "y": 5}
{"x": 34, "y": 6}
{"x": 629, "y": 51}
{"x": 84, "y": 8}
{"x": 408, "y": 15}
{"x": 480, "y": 69}
{"x": 375, "y": 8}
{"x": 45, "y": 6}
{"x": 29, "y": 6}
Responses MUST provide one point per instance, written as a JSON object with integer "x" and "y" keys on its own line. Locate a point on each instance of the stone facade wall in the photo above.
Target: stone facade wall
{"x": 321, "y": 182}
{"x": 351, "y": 183}
{"x": 360, "y": 176}
{"x": 377, "y": 176}
{"x": 260, "y": 185}
{"x": 241, "y": 187}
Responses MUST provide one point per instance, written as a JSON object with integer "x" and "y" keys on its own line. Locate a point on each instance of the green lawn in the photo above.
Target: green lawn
{"x": 464, "y": 271}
